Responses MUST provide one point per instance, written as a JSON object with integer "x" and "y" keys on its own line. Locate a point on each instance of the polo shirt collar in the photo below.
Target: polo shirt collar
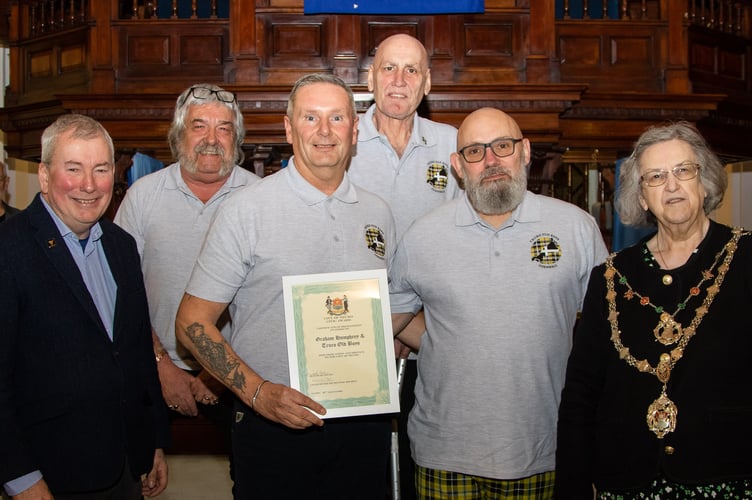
{"x": 175, "y": 181}
{"x": 420, "y": 135}
{"x": 346, "y": 192}
{"x": 528, "y": 210}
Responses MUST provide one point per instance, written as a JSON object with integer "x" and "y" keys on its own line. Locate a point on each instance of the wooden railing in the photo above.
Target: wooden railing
{"x": 173, "y": 9}
{"x": 608, "y": 9}
{"x": 54, "y": 15}
{"x": 727, "y": 16}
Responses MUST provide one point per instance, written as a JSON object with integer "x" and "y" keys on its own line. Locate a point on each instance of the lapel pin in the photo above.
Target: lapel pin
{"x": 51, "y": 243}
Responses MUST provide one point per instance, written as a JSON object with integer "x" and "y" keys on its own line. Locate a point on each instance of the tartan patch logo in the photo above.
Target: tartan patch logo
{"x": 375, "y": 240}
{"x": 545, "y": 250}
{"x": 437, "y": 175}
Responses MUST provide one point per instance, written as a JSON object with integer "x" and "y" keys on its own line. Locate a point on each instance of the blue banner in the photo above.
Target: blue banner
{"x": 386, "y": 8}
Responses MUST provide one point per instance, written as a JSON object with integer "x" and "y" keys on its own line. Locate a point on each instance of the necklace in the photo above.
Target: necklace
{"x": 667, "y": 279}
{"x": 668, "y": 331}
{"x": 662, "y": 413}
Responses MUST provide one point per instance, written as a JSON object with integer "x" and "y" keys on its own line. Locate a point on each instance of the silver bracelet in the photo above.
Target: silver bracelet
{"x": 255, "y": 394}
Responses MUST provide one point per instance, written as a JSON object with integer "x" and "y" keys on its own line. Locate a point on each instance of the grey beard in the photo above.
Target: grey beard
{"x": 190, "y": 163}
{"x": 497, "y": 197}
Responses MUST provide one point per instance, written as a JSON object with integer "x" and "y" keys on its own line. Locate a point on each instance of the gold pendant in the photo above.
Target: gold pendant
{"x": 667, "y": 331}
{"x": 667, "y": 279}
{"x": 663, "y": 370}
{"x": 661, "y": 416}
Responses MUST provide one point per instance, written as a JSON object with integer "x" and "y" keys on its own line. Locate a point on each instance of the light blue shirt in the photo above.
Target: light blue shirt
{"x": 92, "y": 263}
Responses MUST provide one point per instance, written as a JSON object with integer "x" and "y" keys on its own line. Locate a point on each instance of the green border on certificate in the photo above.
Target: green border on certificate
{"x": 340, "y": 345}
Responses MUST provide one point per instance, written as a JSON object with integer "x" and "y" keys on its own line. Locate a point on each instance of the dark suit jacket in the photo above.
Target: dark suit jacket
{"x": 73, "y": 403}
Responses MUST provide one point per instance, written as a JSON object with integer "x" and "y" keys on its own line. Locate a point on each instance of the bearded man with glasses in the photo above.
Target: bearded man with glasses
{"x": 168, "y": 213}
{"x": 499, "y": 309}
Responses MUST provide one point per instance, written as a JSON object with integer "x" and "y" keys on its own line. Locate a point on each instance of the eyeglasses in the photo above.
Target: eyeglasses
{"x": 684, "y": 172}
{"x": 206, "y": 93}
{"x": 501, "y": 148}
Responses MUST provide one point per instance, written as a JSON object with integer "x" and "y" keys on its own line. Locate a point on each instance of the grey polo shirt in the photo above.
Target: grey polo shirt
{"x": 169, "y": 224}
{"x": 282, "y": 226}
{"x": 418, "y": 181}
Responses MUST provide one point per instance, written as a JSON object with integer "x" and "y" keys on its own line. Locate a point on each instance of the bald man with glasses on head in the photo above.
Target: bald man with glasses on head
{"x": 168, "y": 213}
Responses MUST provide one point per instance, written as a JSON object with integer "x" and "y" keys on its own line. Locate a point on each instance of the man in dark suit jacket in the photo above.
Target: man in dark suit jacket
{"x": 81, "y": 409}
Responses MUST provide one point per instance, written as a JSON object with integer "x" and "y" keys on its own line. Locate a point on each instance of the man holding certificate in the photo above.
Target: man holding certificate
{"x": 306, "y": 219}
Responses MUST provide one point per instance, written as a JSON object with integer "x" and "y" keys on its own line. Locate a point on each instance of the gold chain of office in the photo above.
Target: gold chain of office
{"x": 662, "y": 413}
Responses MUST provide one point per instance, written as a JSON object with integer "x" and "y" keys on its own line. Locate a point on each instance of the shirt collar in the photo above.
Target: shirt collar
{"x": 95, "y": 232}
{"x": 175, "y": 181}
{"x": 527, "y": 211}
{"x": 346, "y": 192}
{"x": 420, "y": 135}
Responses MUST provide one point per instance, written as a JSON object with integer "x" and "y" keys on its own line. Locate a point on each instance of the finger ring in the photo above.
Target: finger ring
{"x": 173, "y": 407}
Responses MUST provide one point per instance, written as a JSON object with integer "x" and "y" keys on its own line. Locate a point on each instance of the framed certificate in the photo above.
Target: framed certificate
{"x": 339, "y": 341}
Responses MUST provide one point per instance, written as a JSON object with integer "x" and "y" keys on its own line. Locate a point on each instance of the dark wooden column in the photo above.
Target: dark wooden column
{"x": 243, "y": 65}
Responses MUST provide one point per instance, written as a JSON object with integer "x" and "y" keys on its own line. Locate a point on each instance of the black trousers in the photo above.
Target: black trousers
{"x": 345, "y": 459}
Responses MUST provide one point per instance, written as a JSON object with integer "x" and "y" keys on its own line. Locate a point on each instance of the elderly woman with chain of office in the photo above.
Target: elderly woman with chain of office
{"x": 657, "y": 400}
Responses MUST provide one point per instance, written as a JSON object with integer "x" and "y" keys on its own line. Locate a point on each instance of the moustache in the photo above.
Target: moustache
{"x": 209, "y": 149}
{"x": 491, "y": 171}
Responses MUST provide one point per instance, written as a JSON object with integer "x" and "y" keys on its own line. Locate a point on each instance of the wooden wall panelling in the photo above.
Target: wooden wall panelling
{"x": 719, "y": 61}
{"x": 139, "y": 121}
{"x": 51, "y": 63}
{"x": 442, "y": 53}
{"x": 491, "y": 48}
{"x": 243, "y": 63}
{"x": 23, "y": 126}
{"x": 614, "y": 120}
{"x": 264, "y": 108}
{"x": 677, "y": 58}
{"x": 536, "y": 108}
{"x": 98, "y": 14}
{"x": 294, "y": 45}
{"x": 170, "y": 55}
{"x": 542, "y": 65}
{"x": 15, "y": 77}
{"x": 347, "y": 48}
{"x": 611, "y": 55}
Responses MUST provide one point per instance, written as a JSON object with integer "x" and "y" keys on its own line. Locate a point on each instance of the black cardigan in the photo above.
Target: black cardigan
{"x": 603, "y": 438}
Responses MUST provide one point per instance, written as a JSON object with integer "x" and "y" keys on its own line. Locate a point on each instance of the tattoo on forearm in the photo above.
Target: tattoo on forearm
{"x": 216, "y": 356}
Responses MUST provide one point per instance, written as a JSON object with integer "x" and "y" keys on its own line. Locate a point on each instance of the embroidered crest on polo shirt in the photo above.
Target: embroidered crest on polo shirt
{"x": 545, "y": 250}
{"x": 375, "y": 240}
{"x": 437, "y": 175}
